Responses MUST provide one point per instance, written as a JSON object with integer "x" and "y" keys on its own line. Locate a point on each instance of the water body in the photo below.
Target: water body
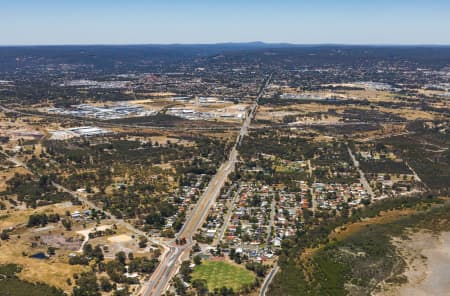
{"x": 41, "y": 256}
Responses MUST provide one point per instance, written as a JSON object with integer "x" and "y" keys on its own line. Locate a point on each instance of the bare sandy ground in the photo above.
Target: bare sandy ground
{"x": 427, "y": 256}
{"x": 85, "y": 234}
{"x": 120, "y": 238}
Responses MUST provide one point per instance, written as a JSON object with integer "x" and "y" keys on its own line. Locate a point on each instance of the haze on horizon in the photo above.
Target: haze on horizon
{"x": 45, "y": 22}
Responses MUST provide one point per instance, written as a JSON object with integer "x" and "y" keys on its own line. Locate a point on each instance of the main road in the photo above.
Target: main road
{"x": 169, "y": 266}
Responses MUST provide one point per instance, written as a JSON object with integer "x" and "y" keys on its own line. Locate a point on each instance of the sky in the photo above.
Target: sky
{"x": 48, "y": 22}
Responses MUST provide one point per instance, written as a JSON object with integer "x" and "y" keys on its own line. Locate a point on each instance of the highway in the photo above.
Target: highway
{"x": 169, "y": 266}
{"x": 173, "y": 256}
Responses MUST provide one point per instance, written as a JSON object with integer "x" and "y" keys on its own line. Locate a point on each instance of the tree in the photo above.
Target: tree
{"x": 67, "y": 223}
{"x": 115, "y": 271}
{"x": 86, "y": 285}
{"x": 121, "y": 257}
{"x": 196, "y": 248}
{"x": 51, "y": 251}
{"x": 142, "y": 241}
{"x": 88, "y": 250}
{"x": 98, "y": 253}
{"x": 4, "y": 235}
{"x": 179, "y": 286}
{"x": 224, "y": 291}
{"x": 105, "y": 284}
{"x": 201, "y": 286}
{"x": 185, "y": 270}
{"x": 197, "y": 260}
{"x": 156, "y": 253}
{"x": 122, "y": 292}
{"x": 37, "y": 220}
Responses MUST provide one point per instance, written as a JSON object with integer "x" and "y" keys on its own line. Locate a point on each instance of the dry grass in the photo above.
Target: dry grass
{"x": 7, "y": 174}
{"x": 409, "y": 114}
{"x": 19, "y": 217}
{"x": 54, "y": 271}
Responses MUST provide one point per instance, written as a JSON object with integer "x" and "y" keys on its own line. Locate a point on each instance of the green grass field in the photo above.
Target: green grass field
{"x": 220, "y": 274}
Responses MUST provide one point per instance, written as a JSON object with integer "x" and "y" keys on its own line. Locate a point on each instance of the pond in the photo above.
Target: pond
{"x": 39, "y": 255}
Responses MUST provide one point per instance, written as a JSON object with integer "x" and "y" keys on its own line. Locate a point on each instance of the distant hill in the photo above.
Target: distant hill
{"x": 144, "y": 57}
{"x": 106, "y": 55}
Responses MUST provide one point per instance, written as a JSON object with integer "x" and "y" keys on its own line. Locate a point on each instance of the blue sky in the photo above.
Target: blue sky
{"x": 200, "y": 21}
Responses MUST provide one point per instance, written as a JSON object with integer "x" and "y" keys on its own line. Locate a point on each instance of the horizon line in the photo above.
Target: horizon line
{"x": 235, "y": 43}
